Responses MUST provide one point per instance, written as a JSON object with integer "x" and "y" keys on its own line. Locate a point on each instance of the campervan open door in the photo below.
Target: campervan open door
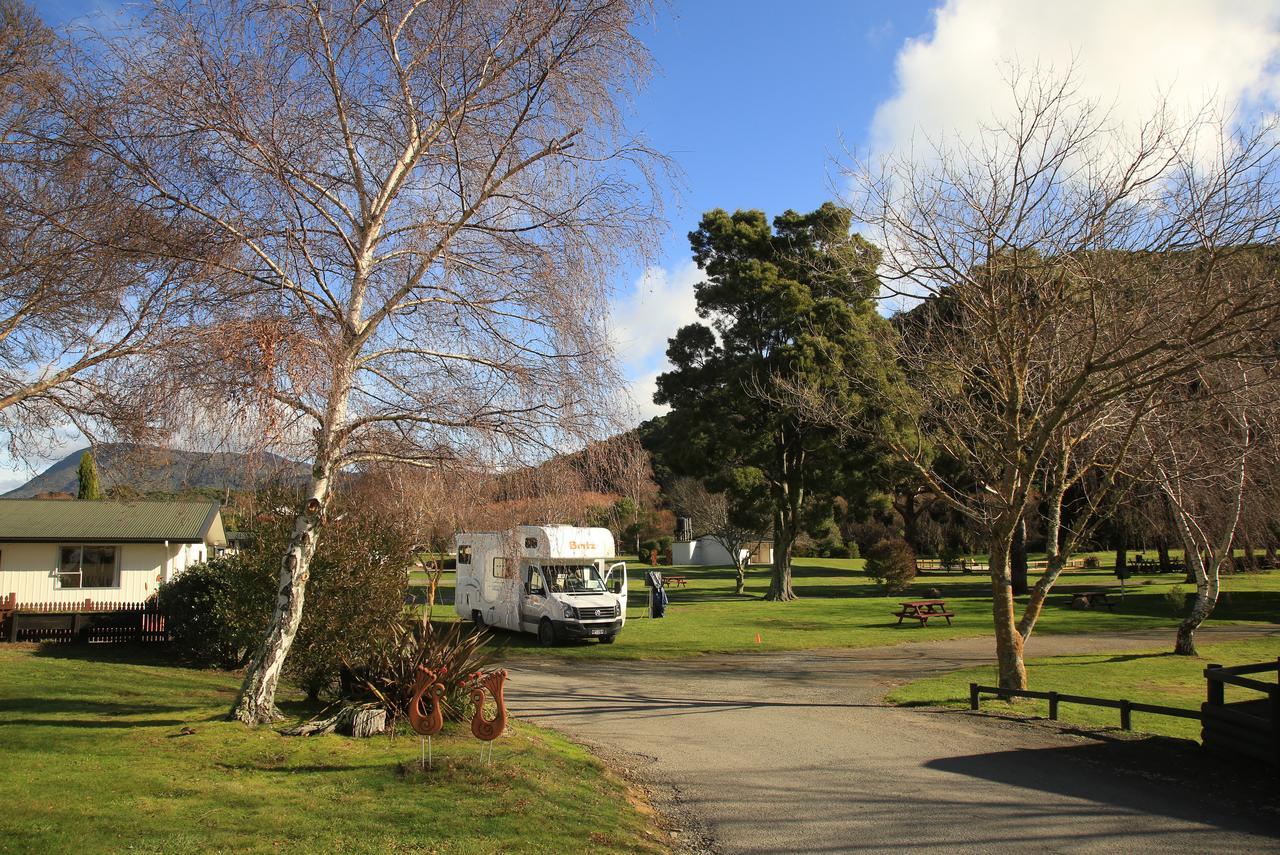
{"x": 617, "y": 584}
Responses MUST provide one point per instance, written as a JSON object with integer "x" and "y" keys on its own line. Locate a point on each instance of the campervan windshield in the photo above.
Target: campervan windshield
{"x": 573, "y": 578}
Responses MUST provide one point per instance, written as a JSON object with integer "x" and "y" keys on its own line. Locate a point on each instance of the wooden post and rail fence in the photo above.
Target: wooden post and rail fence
{"x": 1250, "y": 728}
{"x": 82, "y": 622}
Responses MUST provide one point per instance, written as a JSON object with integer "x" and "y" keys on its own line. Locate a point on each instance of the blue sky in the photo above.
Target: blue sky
{"x": 753, "y": 100}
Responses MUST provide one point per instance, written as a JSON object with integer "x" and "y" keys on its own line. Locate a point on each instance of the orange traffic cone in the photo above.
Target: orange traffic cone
{"x": 757, "y": 638}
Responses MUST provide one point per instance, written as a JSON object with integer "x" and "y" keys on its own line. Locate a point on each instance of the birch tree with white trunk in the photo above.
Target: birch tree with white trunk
{"x": 426, "y": 196}
{"x": 1203, "y": 438}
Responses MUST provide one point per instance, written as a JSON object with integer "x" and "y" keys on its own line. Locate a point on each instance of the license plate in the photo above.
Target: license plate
{"x": 597, "y": 632}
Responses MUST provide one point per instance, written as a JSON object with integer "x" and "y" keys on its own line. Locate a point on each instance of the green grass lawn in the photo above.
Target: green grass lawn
{"x": 1153, "y": 677}
{"x": 840, "y": 607}
{"x": 92, "y": 760}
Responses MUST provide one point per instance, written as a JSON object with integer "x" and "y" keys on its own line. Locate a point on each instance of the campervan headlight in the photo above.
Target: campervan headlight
{"x": 570, "y": 612}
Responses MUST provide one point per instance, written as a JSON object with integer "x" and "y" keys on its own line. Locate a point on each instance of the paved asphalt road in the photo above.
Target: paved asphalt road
{"x": 792, "y": 752}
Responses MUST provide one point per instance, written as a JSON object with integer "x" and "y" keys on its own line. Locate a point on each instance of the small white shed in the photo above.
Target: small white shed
{"x": 708, "y": 552}
{"x": 70, "y": 551}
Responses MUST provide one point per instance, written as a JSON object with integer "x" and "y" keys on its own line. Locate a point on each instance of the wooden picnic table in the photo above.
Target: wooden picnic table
{"x": 922, "y": 610}
{"x": 1092, "y": 599}
{"x": 677, "y": 581}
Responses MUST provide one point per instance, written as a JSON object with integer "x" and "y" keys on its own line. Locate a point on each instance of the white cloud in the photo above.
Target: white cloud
{"x": 659, "y": 303}
{"x": 1126, "y": 55}
{"x": 641, "y": 392}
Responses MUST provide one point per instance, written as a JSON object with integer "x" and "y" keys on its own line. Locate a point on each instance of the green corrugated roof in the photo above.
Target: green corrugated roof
{"x": 50, "y": 520}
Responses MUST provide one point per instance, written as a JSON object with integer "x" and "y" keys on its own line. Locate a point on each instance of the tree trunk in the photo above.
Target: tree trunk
{"x": 1122, "y": 556}
{"x": 1162, "y": 552}
{"x": 1009, "y": 646}
{"x": 910, "y": 514}
{"x": 1056, "y": 553}
{"x": 788, "y": 497}
{"x": 1206, "y": 598}
{"x": 1203, "y": 566}
{"x": 256, "y": 703}
{"x": 1018, "y": 558}
{"x": 780, "y": 584}
{"x": 740, "y": 580}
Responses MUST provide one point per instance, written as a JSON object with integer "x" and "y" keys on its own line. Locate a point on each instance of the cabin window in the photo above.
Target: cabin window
{"x": 88, "y": 567}
{"x": 531, "y": 543}
{"x": 499, "y": 568}
{"x": 464, "y": 554}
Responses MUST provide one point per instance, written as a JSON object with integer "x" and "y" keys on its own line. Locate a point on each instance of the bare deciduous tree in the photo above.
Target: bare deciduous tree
{"x": 1202, "y": 437}
{"x": 712, "y": 516}
{"x": 1065, "y": 265}
{"x": 83, "y": 294}
{"x": 426, "y": 196}
{"x": 621, "y": 466}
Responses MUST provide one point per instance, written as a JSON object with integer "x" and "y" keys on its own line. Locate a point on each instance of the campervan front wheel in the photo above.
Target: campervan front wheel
{"x": 546, "y": 633}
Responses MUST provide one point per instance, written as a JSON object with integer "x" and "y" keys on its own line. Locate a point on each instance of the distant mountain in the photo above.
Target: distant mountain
{"x": 163, "y": 470}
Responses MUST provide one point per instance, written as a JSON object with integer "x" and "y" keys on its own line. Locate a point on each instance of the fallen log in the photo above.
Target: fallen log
{"x": 358, "y": 720}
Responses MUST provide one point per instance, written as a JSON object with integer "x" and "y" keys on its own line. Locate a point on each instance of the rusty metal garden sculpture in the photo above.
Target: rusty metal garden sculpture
{"x": 427, "y": 689}
{"x": 484, "y": 729}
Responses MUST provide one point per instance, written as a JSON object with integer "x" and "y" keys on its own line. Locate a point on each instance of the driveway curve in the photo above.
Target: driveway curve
{"x": 794, "y": 752}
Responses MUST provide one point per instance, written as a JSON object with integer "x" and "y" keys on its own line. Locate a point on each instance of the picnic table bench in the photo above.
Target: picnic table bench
{"x": 1092, "y": 599}
{"x": 674, "y": 581}
{"x": 922, "y": 610}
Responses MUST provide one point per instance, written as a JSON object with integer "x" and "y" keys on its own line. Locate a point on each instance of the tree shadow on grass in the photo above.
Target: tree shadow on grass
{"x": 317, "y": 769}
{"x": 158, "y": 653}
{"x": 107, "y": 709}
{"x": 698, "y": 597}
{"x": 46, "y": 712}
{"x": 1153, "y": 602}
{"x": 1126, "y": 657}
{"x": 95, "y": 724}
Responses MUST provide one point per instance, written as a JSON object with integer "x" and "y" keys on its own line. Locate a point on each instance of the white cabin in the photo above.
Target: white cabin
{"x": 70, "y": 551}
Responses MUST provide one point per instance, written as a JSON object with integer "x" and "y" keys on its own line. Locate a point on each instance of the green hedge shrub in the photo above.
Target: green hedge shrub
{"x": 217, "y": 612}
{"x": 358, "y": 586}
{"x": 892, "y": 563}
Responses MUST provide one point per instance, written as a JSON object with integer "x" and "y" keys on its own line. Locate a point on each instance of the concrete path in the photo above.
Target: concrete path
{"x": 792, "y": 752}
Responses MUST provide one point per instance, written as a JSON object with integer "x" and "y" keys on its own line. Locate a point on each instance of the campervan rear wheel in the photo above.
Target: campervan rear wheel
{"x": 607, "y": 639}
{"x": 477, "y": 618}
{"x": 546, "y": 633}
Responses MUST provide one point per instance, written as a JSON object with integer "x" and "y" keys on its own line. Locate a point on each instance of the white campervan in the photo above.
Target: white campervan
{"x": 556, "y": 581}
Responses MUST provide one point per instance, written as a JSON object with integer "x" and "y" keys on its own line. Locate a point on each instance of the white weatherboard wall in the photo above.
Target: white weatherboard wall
{"x": 28, "y": 570}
